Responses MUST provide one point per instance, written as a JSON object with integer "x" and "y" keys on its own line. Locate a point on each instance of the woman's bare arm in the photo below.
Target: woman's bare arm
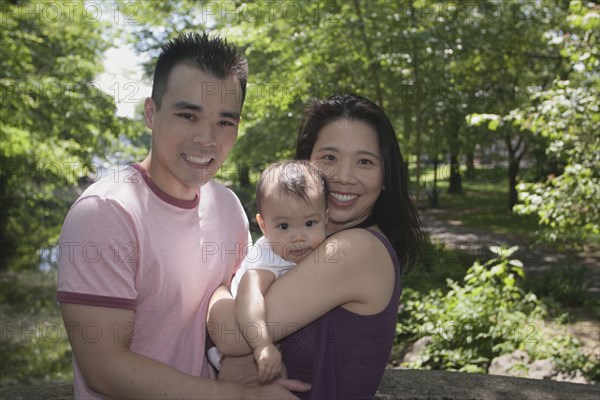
{"x": 351, "y": 268}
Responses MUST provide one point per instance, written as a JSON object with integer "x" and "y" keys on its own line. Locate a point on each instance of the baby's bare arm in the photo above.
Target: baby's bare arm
{"x": 250, "y": 308}
{"x": 250, "y": 314}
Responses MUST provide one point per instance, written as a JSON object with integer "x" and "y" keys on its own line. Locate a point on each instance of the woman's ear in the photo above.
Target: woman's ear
{"x": 261, "y": 224}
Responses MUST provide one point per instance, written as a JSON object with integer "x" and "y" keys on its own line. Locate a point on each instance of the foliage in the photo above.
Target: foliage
{"x": 568, "y": 356}
{"x": 53, "y": 121}
{"x": 440, "y": 263}
{"x": 34, "y": 348}
{"x": 488, "y": 315}
{"x": 429, "y": 63}
{"x": 566, "y": 286}
{"x": 566, "y": 117}
{"x": 570, "y": 202}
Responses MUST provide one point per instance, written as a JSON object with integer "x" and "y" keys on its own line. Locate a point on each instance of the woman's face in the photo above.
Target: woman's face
{"x": 348, "y": 152}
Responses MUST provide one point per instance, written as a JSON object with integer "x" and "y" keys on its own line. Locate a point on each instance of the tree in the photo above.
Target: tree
{"x": 568, "y": 116}
{"x": 427, "y": 63}
{"x": 53, "y": 119}
{"x": 515, "y": 61}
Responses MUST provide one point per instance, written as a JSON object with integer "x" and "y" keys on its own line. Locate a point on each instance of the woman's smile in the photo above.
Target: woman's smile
{"x": 342, "y": 199}
{"x": 348, "y": 152}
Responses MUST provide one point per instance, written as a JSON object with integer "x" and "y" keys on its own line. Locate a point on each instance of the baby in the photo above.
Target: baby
{"x": 291, "y": 198}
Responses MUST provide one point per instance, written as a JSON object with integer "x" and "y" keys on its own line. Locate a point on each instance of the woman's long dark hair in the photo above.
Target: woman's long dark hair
{"x": 393, "y": 211}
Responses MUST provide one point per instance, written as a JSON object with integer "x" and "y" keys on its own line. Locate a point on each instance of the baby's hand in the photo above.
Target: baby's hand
{"x": 269, "y": 362}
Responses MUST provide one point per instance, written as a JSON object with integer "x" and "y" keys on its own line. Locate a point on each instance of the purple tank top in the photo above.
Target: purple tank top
{"x": 343, "y": 354}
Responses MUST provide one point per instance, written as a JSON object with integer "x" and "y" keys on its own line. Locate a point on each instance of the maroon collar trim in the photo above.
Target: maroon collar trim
{"x": 164, "y": 196}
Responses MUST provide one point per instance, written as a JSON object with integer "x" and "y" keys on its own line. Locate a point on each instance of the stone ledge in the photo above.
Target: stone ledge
{"x": 403, "y": 384}
{"x": 47, "y": 392}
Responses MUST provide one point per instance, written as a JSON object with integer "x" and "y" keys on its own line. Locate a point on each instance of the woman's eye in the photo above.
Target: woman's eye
{"x": 366, "y": 162}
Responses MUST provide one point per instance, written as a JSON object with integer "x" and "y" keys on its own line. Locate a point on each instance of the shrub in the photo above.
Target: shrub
{"x": 488, "y": 315}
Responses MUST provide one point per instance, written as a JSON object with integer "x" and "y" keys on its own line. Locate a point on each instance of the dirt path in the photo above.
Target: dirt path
{"x": 535, "y": 258}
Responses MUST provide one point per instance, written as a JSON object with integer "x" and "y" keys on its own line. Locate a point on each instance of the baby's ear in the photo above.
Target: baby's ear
{"x": 261, "y": 224}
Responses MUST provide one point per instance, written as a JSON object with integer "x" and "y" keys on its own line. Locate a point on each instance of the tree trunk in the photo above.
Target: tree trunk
{"x": 513, "y": 171}
{"x": 515, "y": 154}
{"x": 455, "y": 181}
{"x": 8, "y": 247}
{"x": 373, "y": 65}
{"x": 470, "y": 166}
{"x": 408, "y": 130}
{"x": 418, "y": 99}
{"x": 434, "y": 201}
{"x": 244, "y": 175}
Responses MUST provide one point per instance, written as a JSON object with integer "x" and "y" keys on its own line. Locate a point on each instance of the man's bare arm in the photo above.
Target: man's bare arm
{"x": 110, "y": 368}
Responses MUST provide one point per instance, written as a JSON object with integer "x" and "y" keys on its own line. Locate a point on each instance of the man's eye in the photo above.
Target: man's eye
{"x": 186, "y": 116}
{"x": 226, "y": 123}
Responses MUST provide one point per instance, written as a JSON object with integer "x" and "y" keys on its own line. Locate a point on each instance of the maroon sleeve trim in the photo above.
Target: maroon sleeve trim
{"x": 95, "y": 300}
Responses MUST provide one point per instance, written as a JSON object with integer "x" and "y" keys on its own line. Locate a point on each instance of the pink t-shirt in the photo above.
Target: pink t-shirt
{"x": 127, "y": 244}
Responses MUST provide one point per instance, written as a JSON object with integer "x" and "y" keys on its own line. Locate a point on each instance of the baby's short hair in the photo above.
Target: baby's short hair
{"x": 291, "y": 178}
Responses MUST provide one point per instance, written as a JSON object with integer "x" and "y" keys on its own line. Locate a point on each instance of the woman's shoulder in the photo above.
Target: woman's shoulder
{"x": 358, "y": 235}
{"x": 358, "y": 243}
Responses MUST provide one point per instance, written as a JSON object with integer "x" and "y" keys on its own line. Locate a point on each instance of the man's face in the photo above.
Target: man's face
{"x": 193, "y": 131}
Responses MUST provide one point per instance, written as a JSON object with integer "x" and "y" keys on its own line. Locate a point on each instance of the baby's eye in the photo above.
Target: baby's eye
{"x": 311, "y": 223}
{"x": 283, "y": 227}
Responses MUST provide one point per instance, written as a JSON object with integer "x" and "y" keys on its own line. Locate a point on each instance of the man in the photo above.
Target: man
{"x": 142, "y": 251}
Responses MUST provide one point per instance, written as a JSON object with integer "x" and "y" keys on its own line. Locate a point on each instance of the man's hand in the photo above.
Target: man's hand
{"x": 239, "y": 369}
{"x": 243, "y": 370}
{"x": 268, "y": 359}
{"x": 280, "y": 389}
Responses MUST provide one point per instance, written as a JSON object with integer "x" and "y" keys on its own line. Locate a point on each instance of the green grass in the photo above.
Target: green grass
{"x": 483, "y": 203}
{"x": 34, "y": 348}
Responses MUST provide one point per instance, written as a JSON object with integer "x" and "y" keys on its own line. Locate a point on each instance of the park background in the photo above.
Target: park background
{"x": 496, "y": 108}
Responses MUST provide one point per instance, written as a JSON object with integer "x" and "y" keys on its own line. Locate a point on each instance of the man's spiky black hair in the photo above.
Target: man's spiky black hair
{"x": 211, "y": 55}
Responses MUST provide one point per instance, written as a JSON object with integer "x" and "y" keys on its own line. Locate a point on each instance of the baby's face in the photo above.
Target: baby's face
{"x": 292, "y": 226}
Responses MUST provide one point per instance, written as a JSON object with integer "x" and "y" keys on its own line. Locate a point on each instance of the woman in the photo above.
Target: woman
{"x": 337, "y": 310}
